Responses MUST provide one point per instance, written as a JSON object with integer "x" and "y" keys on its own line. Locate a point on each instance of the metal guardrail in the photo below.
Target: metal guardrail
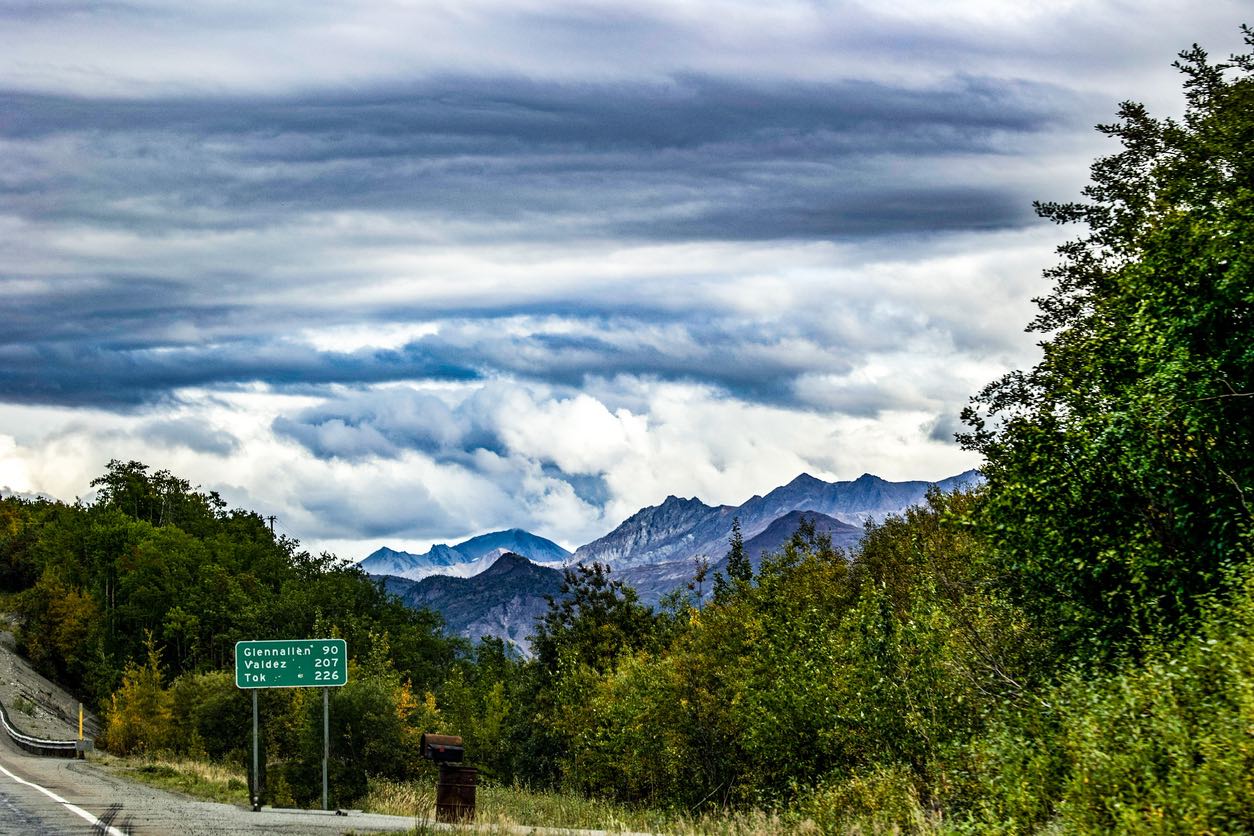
{"x": 36, "y": 745}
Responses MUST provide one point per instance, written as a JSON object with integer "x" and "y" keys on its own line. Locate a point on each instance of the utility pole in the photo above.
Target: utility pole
{"x": 271, "y": 520}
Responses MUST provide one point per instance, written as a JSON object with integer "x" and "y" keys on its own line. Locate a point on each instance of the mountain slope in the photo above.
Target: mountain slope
{"x": 652, "y": 581}
{"x": 658, "y": 548}
{"x": 687, "y": 529}
{"x": 502, "y": 601}
{"x": 778, "y": 533}
{"x": 655, "y": 534}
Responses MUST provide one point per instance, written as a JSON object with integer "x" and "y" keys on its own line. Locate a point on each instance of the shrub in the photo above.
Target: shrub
{"x": 139, "y": 717}
{"x": 1160, "y": 745}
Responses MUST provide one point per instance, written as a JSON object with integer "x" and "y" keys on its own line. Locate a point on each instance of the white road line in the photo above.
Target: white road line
{"x": 97, "y": 824}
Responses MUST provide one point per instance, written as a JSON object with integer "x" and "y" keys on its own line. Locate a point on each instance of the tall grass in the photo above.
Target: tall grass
{"x": 200, "y": 779}
{"x": 508, "y": 808}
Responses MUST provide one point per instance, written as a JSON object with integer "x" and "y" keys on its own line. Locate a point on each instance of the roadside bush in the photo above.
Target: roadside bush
{"x": 212, "y": 718}
{"x": 863, "y": 676}
{"x": 882, "y": 800}
{"x": 629, "y": 735}
{"x": 139, "y": 716}
{"x": 1162, "y": 745}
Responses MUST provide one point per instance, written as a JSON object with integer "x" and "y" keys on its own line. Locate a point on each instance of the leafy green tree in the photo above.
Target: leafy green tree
{"x": 593, "y": 624}
{"x": 479, "y": 702}
{"x": 20, "y": 525}
{"x": 1155, "y": 745}
{"x": 159, "y": 498}
{"x": 739, "y": 569}
{"x": 1119, "y": 467}
{"x": 593, "y": 620}
{"x": 62, "y": 626}
{"x": 212, "y": 717}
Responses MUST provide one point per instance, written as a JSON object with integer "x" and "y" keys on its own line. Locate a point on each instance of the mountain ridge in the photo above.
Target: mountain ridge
{"x": 656, "y": 550}
{"x": 466, "y": 559}
{"x": 692, "y": 533}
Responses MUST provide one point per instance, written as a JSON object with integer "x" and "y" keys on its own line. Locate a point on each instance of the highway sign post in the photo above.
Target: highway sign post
{"x": 292, "y": 663}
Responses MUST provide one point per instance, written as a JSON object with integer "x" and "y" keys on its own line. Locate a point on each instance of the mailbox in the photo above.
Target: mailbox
{"x": 442, "y": 748}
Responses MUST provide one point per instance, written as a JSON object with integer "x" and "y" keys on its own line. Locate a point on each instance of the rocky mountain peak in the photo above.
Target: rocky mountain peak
{"x": 507, "y": 564}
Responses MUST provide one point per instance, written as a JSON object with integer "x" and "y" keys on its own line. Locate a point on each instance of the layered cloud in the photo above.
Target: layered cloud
{"x": 415, "y": 271}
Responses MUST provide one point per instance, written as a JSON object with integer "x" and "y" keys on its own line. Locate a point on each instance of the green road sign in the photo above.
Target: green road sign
{"x": 291, "y": 663}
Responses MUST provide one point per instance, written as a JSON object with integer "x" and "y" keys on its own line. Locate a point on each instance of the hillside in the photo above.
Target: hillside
{"x": 502, "y": 601}
{"x": 38, "y": 706}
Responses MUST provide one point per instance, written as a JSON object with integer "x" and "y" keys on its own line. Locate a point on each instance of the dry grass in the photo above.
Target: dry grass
{"x": 514, "y": 809}
{"x": 400, "y": 798}
{"x": 196, "y": 778}
{"x": 499, "y": 809}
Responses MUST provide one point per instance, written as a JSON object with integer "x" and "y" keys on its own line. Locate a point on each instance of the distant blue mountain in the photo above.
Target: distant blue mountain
{"x": 513, "y": 541}
{"x": 655, "y": 550}
{"x": 684, "y": 529}
{"x": 464, "y": 560}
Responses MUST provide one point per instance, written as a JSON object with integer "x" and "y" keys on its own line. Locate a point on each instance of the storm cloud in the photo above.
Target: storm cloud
{"x": 414, "y": 271}
{"x": 501, "y": 159}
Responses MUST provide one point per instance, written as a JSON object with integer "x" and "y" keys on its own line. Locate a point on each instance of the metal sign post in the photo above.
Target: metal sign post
{"x": 292, "y": 663}
{"x": 256, "y": 774}
{"x": 326, "y": 741}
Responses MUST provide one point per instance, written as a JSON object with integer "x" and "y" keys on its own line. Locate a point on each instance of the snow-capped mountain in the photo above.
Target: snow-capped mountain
{"x": 466, "y": 559}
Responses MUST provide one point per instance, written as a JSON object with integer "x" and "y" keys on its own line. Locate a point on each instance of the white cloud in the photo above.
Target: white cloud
{"x": 690, "y": 441}
{"x": 14, "y": 472}
{"x": 409, "y": 464}
{"x": 404, "y": 332}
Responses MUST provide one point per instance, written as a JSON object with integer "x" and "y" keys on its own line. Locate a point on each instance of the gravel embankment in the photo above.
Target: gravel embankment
{"x": 37, "y": 706}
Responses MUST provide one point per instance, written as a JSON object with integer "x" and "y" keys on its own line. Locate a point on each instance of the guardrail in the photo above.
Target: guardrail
{"x": 36, "y": 745}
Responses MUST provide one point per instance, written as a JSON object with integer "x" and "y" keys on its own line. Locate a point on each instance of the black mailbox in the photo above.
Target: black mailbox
{"x": 442, "y": 748}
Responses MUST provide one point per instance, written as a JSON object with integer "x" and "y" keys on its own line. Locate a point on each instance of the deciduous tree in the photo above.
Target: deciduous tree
{"x": 1121, "y": 480}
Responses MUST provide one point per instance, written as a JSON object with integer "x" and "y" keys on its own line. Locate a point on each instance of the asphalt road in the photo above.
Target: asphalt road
{"x": 52, "y": 796}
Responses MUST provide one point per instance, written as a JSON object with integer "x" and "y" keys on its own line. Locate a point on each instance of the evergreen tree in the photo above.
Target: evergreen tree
{"x": 593, "y": 620}
{"x": 739, "y": 569}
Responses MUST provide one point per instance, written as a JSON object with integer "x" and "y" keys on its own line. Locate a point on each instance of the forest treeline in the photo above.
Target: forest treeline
{"x": 1071, "y": 645}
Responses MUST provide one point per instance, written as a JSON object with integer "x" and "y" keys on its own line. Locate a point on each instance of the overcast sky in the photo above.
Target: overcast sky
{"x": 407, "y": 272}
